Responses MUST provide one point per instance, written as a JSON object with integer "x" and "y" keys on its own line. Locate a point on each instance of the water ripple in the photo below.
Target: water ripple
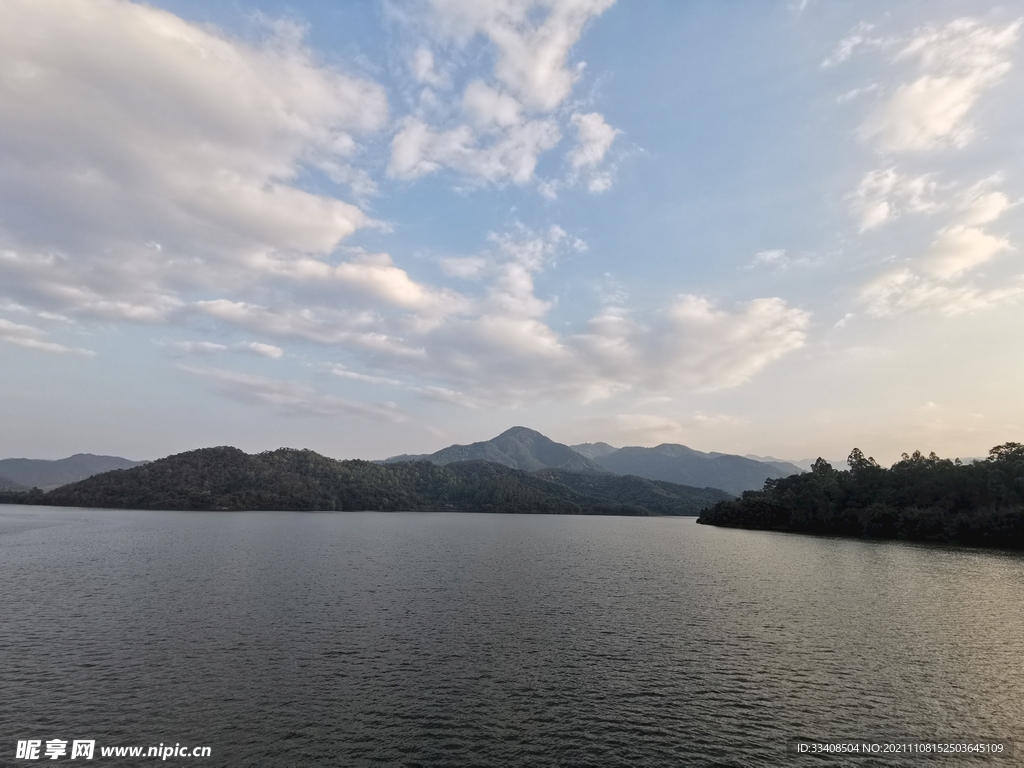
{"x": 289, "y": 639}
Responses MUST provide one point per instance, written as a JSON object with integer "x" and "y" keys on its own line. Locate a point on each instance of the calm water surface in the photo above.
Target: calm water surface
{"x": 308, "y": 639}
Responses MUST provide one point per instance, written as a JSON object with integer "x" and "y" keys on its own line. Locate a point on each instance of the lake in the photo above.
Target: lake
{"x": 433, "y": 639}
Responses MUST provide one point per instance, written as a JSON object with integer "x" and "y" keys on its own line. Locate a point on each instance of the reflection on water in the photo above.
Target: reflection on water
{"x": 453, "y": 639}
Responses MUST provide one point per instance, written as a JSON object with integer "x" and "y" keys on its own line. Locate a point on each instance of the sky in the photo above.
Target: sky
{"x": 781, "y": 228}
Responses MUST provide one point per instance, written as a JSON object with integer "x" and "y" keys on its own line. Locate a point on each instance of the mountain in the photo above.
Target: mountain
{"x": 785, "y": 465}
{"x": 7, "y": 484}
{"x": 47, "y": 474}
{"x": 685, "y": 466}
{"x": 525, "y": 449}
{"x": 226, "y": 478}
{"x": 594, "y": 450}
{"x": 518, "y": 448}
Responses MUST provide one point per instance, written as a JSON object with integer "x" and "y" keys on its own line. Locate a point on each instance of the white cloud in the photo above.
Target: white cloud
{"x": 599, "y": 182}
{"x": 548, "y": 188}
{"x": 532, "y": 39}
{"x": 844, "y": 321}
{"x": 497, "y": 347}
{"x": 506, "y": 124}
{"x": 13, "y": 306}
{"x": 777, "y": 259}
{"x": 854, "y": 93}
{"x": 263, "y": 350}
{"x": 345, "y": 373}
{"x": 903, "y": 291}
{"x": 773, "y": 257}
{"x": 33, "y": 338}
{"x": 714, "y": 348}
{"x": 179, "y": 163}
{"x": 980, "y": 204}
{"x": 173, "y": 195}
{"x": 845, "y": 48}
{"x": 423, "y": 69}
{"x": 418, "y": 150}
{"x": 359, "y": 181}
{"x": 360, "y": 330}
{"x": 595, "y": 139}
{"x": 367, "y": 277}
{"x": 490, "y": 107}
{"x": 693, "y": 346}
{"x": 925, "y": 114}
{"x": 210, "y": 348}
{"x": 102, "y": 285}
{"x": 959, "y": 249}
{"x": 956, "y": 64}
{"x": 936, "y": 280}
{"x": 291, "y": 396}
{"x": 885, "y": 194}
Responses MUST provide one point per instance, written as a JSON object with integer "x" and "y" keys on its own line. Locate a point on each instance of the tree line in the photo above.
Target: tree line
{"x": 920, "y": 498}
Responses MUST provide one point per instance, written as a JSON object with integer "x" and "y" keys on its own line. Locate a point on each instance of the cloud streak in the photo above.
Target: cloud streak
{"x": 35, "y": 339}
{"x": 496, "y": 346}
{"x": 956, "y": 63}
{"x": 291, "y": 396}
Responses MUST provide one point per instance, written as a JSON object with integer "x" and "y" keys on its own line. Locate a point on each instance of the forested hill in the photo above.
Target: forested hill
{"x": 228, "y": 479}
{"x": 659, "y": 496}
{"x": 922, "y": 498}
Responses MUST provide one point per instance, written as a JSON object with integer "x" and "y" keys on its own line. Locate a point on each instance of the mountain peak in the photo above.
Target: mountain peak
{"x": 594, "y": 450}
{"x": 518, "y": 447}
{"x": 675, "y": 449}
{"x": 520, "y": 433}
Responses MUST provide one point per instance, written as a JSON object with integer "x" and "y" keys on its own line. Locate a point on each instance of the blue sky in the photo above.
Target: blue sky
{"x": 370, "y": 228}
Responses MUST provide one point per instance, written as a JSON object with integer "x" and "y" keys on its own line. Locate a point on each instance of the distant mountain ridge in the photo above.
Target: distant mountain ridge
{"x": 518, "y": 448}
{"x": 526, "y": 449}
{"x": 47, "y": 474}
{"x": 803, "y": 464}
{"x": 226, "y": 478}
{"x": 594, "y": 450}
{"x": 7, "y": 484}
{"x": 679, "y": 464}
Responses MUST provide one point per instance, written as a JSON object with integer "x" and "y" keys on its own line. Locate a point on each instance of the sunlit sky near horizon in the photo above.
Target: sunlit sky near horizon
{"x": 779, "y": 228}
